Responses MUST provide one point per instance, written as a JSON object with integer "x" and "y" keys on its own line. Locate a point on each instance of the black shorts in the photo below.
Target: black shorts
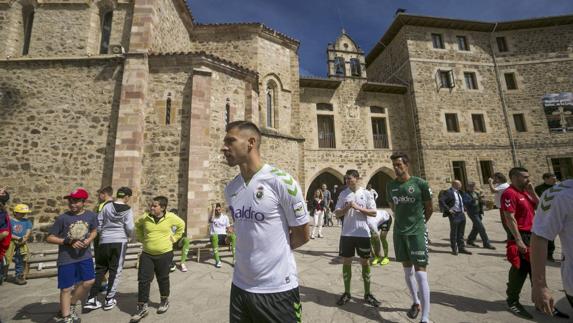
{"x": 385, "y": 226}
{"x": 270, "y": 307}
{"x": 348, "y": 246}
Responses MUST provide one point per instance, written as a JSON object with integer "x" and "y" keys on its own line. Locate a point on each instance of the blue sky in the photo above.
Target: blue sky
{"x": 315, "y": 23}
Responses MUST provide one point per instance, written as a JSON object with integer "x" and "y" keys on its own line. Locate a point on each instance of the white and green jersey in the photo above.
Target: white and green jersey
{"x": 219, "y": 224}
{"x": 355, "y": 223}
{"x": 554, "y": 216}
{"x": 375, "y": 221}
{"x": 263, "y": 210}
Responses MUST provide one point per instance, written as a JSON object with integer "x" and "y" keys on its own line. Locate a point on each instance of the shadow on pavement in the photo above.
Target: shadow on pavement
{"x": 127, "y": 302}
{"x": 37, "y": 312}
{"x": 356, "y": 306}
{"x": 467, "y": 304}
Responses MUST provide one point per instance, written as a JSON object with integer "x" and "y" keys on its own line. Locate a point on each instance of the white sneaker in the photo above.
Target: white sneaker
{"x": 109, "y": 304}
{"x": 183, "y": 268}
{"x": 218, "y": 264}
{"x": 92, "y": 304}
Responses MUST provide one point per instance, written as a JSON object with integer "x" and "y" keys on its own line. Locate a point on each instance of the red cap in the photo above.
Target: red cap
{"x": 78, "y": 193}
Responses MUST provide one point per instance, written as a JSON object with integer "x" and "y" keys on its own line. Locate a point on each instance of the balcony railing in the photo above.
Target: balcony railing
{"x": 326, "y": 140}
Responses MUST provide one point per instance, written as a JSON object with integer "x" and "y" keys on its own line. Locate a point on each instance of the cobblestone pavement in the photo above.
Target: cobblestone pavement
{"x": 464, "y": 288}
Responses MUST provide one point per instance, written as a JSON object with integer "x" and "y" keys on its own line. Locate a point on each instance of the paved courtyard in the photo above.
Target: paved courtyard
{"x": 464, "y": 288}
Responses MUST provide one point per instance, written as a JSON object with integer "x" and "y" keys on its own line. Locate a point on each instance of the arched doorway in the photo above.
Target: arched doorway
{"x": 325, "y": 178}
{"x": 379, "y": 182}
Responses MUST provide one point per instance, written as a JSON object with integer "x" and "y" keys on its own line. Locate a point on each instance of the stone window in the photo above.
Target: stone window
{"x": 355, "y": 67}
{"x": 168, "y": 114}
{"x": 326, "y": 136}
{"x": 380, "y": 133}
{"x": 463, "y": 43}
{"x": 28, "y": 22}
{"x": 452, "y": 124}
{"x": 510, "y": 82}
{"x": 459, "y": 169}
{"x": 501, "y": 44}
{"x": 271, "y": 103}
{"x": 324, "y": 107}
{"x": 486, "y": 167}
{"x": 471, "y": 80}
{"x": 106, "y": 21}
{"x": 478, "y": 122}
{"x": 519, "y": 120}
{"x": 437, "y": 41}
{"x": 446, "y": 79}
{"x": 339, "y": 68}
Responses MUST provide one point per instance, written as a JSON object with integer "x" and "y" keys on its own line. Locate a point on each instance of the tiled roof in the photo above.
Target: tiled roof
{"x": 209, "y": 56}
{"x": 251, "y": 24}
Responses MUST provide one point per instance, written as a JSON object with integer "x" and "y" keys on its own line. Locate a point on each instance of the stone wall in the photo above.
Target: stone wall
{"x": 169, "y": 32}
{"x": 59, "y": 135}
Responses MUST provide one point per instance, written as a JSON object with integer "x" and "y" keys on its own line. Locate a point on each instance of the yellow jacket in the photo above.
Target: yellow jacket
{"x": 158, "y": 238}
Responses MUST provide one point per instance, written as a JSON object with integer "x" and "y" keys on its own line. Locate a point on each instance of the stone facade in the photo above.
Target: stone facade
{"x": 152, "y": 115}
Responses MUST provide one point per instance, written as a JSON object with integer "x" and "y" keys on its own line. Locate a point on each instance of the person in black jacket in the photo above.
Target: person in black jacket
{"x": 451, "y": 202}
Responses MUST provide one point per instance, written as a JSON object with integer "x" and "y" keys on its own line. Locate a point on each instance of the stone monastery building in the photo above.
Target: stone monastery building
{"x": 136, "y": 93}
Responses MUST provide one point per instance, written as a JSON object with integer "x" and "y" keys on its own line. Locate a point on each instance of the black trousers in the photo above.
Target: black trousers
{"x": 279, "y": 307}
{"x": 150, "y": 266}
{"x": 516, "y": 280}
{"x": 570, "y": 299}
{"x": 109, "y": 257}
{"x": 550, "y": 248}
{"x": 457, "y": 228}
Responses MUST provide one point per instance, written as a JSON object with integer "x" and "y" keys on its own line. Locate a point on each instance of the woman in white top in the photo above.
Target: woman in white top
{"x": 219, "y": 226}
{"x": 318, "y": 207}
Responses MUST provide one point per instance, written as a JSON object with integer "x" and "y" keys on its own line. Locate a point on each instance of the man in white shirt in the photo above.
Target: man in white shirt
{"x": 554, "y": 216}
{"x": 497, "y": 185}
{"x": 270, "y": 220}
{"x": 355, "y": 204}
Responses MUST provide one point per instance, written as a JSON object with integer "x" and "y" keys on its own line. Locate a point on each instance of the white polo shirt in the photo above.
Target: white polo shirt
{"x": 219, "y": 224}
{"x": 554, "y": 216}
{"x": 374, "y": 222}
{"x": 355, "y": 223}
{"x": 263, "y": 210}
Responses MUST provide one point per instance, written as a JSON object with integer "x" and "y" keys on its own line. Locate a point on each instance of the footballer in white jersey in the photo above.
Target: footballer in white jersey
{"x": 270, "y": 220}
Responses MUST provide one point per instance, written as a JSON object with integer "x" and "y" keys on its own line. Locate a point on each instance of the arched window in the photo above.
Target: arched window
{"x": 106, "y": 21}
{"x": 168, "y": 109}
{"x": 28, "y": 16}
{"x": 339, "y": 68}
{"x": 355, "y": 67}
{"x": 227, "y": 113}
{"x": 270, "y": 105}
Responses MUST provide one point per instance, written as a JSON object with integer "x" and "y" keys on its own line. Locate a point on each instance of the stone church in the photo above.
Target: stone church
{"x": 137, "y": 93}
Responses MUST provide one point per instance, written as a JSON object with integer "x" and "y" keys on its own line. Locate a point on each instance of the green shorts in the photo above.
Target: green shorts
{"x": 412, "y": 248}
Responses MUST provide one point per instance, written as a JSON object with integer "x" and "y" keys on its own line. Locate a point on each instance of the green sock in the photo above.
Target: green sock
{"x": 184, "y": 250}
{"x": 385, "y": 247}
{"x": 346, "y": 275}
{"x": 215, "y": 244}
{"x": 374, "y": 241}
{"x": 366, "y": 278}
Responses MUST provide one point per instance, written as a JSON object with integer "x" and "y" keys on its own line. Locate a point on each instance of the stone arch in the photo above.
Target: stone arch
{"x": 329, "y": 176}
{"x": 270, "y": 112}
{"x": 379, "y": 179}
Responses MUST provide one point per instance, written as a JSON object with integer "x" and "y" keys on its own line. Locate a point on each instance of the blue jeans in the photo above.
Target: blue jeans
{"x": 18, "y": 262}
{"x": 477, "y": 227}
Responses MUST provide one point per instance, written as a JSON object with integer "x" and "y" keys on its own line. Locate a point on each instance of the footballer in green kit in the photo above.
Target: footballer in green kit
{"x": 411, "y": 200}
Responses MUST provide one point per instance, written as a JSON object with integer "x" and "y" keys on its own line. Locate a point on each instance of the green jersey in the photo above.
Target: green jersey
{"x": 408, "y": 199}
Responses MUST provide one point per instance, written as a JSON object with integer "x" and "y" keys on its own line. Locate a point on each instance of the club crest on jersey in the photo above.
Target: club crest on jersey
{"x": 260, "y": 192}
{"x": 410, "y": 189}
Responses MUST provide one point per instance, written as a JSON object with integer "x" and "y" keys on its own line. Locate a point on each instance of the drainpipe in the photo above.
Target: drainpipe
{"x": 502, "y": 97}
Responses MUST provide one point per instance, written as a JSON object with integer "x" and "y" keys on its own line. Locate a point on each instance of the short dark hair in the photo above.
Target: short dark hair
{"x": 501, "y": 177}
{"x": 217, "y": 204}
{"x": 516, "y": 170}
{"x": 174, "y": 211}
{"x": 548, "y": 175}
{"x": 401, "y": 155}
{"x": 353, "y": 173}
{"x": 245, "y": 125}
{"x": 123, "y": 192}
{"x": 162, "y": 201}
{"x": 107, "y": 190}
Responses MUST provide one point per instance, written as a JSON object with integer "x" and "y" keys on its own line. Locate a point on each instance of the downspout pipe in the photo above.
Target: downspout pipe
{"x": 502, "y": 98}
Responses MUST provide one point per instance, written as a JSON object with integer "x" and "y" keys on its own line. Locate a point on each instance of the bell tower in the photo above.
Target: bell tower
{"x": 345, "y": 59}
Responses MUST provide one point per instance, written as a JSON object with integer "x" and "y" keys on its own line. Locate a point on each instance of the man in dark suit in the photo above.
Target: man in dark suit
{"x": 451, "y": 203}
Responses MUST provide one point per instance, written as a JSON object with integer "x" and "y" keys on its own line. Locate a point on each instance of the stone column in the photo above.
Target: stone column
{"x": 198, "y": 186}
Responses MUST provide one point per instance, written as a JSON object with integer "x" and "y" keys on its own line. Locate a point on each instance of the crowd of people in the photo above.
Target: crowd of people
{"x": 269, "y": 218}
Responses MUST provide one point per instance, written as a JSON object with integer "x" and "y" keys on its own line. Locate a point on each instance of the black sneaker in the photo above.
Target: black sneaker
{"x": 473, "y": 244}
{"x": 345, "y": 298}
{"x": 369, "y": 298}
{"x": 413, "y": 311}
{"x": 489, "y": 247}
{"x": 142, "y": 311}
{"x": 465, "y": 251}
{"x": 164, "y": 306}
{"x": 517, "y": 309}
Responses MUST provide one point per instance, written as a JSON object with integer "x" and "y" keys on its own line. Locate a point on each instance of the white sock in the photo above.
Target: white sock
{"x": 411, "y": 283}
{"x": 422, "y": 278}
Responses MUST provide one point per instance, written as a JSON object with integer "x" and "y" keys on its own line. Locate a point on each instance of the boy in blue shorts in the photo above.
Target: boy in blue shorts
{"x": 18, "y": 251}
{"x": 73, "y": 232}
